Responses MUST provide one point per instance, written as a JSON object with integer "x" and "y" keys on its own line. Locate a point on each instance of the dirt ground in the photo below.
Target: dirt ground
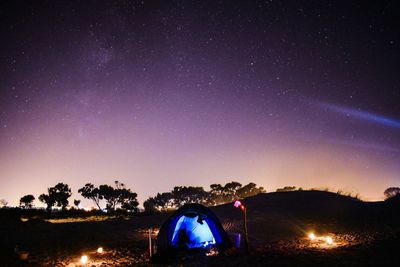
{"x": 362, "y": 233}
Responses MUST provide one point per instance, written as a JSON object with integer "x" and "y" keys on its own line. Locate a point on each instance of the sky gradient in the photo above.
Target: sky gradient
{"x": 163, "y": 93}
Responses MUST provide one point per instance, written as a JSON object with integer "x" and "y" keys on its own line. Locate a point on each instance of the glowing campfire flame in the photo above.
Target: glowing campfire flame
{"x": 100, "y": 250}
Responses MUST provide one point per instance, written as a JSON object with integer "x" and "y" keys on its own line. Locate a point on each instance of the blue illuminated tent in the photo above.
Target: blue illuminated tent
{"x": 192, "y": 226}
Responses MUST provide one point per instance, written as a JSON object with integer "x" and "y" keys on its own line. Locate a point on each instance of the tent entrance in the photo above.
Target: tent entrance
{"x": 192, "y": 232}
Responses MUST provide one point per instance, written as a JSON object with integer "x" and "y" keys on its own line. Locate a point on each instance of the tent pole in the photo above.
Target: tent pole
{"x": 150, "y": 246}
{"x": 246, "y": 239}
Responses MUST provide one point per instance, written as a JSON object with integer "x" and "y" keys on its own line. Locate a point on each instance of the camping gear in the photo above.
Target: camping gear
{"x": 191, "y": 227}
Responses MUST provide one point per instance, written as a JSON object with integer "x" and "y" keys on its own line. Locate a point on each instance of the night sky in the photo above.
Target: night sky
{"x": 163, "y": 93}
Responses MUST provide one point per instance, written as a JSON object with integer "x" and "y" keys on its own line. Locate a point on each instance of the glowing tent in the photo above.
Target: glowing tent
{"x": 193, "y": 226}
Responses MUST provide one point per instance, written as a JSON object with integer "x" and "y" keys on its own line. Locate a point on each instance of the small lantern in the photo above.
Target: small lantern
{"x": 311, "y": 236}
{"x": 84, "y": 259}
{"x": 329, "y": 240}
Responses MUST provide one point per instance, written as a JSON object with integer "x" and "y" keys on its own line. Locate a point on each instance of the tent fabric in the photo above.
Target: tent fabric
{"x": 198, "y": 224}
{"x": 198, "y": 234}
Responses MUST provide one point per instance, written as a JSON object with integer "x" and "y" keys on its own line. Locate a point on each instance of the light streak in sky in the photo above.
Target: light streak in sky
{"x": 363, "y": 115}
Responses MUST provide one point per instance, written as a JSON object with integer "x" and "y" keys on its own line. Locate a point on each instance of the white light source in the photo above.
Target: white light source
{"x": 100, "y": 250}
{"x": 311, "y": 236}
{"x": 329, "y": 240}
{"x": 84, "y": 259}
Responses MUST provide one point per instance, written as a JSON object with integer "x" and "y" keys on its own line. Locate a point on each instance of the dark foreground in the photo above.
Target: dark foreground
{"x": 364, "y": 234}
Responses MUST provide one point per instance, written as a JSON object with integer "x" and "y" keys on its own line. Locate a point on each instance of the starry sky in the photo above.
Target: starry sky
{"x": 163, "y": 93}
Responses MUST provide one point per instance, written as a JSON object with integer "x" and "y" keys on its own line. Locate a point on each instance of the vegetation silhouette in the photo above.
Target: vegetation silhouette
{"x": 218, "y": 194}
{"x": 3, "y": 203}
{"x": 57, "y": 195}
{"x": 122, "y": 198}
{"x": 116, "y": 197}
{"x": 77, "y": 202}
{"x": 286, "y": 189}
{"x": 26, "y": 202}
{"x": 91, "y": 192}
{"x": 391, "y": 192}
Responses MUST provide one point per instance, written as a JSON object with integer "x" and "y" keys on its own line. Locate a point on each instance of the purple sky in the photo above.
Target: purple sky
{"x": 163, "y": 93}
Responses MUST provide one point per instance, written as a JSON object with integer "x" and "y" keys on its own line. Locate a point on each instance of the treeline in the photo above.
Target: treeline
{"x": 116, "y": 197}
{"x": 218, "y": 194}
{"x": 119, "y": 197}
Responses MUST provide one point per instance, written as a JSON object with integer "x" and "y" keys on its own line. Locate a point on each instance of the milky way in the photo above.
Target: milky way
{"x": 164, "y": 93}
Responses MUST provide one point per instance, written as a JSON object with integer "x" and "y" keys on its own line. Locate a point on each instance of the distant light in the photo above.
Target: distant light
{"x": 100, "y": 250}
{"x": 329, "y": 240}
{"x": 84, "y": 259}
{"x": 311, "y": 236}
{"x": 237, "y": 204}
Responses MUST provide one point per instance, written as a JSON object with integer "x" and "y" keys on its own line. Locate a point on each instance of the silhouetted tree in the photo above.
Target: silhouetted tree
{"x": 76, "y": 203}
{"x": 3, "y": 203}
{"x": 110, "y": 195}
{"x": 61, "y": 192}
{"x": 223, "y": 194}
{"x": 49, "y": 201}
{"x": 391, "y": 192}
{"x": 119, "y": 196}
{"x": 286, "y": 189}
{"x": 216, "y": 195}
{"x": 161, "y": 202}
{"x": 249, "y": 190}
{"x": 26, "y": 201}
{"x": 89, "y": 191}
{"x": 57, "y": 195}
{"x": 189, "y": 194}
{"x": 165, "y": 200}
{"x": 126, "y": 198}
{"x": 230, "y": 191}
{"x": 150, "y": 205}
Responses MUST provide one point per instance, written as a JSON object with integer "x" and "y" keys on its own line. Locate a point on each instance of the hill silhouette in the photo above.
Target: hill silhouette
{"x": 277, "y": 215}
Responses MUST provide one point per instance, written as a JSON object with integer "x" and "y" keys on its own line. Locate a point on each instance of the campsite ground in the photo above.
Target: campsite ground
{"x": 364, "y": 234}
